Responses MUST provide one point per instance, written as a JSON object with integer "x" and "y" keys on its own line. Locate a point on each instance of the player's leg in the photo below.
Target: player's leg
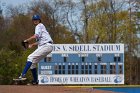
{"x": 29, "y": 63}
{"x": 34, "y": 58}
{"x": 34, "y": 74}
{"x": 27, "y": 66}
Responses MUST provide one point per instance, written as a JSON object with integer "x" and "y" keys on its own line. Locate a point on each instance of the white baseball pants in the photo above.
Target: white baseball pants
{"x": 40, "y": 53}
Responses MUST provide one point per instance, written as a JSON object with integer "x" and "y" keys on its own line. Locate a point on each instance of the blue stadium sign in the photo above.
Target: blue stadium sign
{"x": 83, "y": 64}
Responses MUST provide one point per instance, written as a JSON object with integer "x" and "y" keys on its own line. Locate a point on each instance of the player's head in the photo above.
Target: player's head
{"x": 36, "y": 19}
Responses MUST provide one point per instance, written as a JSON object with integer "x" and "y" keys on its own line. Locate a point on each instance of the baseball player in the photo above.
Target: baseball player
{"x": 44, "y": 42}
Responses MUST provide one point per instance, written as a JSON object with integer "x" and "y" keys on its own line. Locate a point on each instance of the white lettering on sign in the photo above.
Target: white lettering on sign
{"x": 82, "y": 79}
{"x": 46, "y": 72}
{"x": 46, "y": 67}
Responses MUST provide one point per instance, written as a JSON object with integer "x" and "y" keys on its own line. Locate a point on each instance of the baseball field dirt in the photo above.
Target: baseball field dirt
{"x": 47, "y": 89}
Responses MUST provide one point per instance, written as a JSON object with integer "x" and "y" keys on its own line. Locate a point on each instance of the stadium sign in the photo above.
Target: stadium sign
{"x": 83, "y": 64}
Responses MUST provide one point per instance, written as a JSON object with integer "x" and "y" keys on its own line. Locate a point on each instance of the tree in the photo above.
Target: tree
{"x": 110, "y": 23}
{"x": 51, "y": 19}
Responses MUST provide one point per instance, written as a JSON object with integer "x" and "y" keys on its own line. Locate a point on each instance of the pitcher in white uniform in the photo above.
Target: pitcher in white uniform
{"x": 44, "y": 42}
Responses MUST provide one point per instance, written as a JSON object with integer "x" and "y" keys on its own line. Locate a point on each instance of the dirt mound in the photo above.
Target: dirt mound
{"x": 47, "y": 89}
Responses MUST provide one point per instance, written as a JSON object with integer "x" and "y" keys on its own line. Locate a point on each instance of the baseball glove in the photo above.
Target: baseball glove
{"x": 24, "y": 44}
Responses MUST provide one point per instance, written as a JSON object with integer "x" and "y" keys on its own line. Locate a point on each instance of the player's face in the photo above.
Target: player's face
{"x": 36, "y": 22}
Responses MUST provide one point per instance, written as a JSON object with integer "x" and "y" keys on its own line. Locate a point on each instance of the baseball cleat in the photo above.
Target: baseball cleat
{"x": 21, "y": 77}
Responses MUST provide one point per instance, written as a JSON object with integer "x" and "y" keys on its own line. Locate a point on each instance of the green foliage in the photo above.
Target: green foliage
{"x": 138, "y": 14}
{"x": 11, "y": 65}
{"x": 8, "y": 67}
{"x": 19, "y": 27}
{"x": 110, "y": 25}
{"x": 13, "y": 46}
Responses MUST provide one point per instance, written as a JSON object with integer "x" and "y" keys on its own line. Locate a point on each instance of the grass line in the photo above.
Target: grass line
{"x": 117, "y": 86}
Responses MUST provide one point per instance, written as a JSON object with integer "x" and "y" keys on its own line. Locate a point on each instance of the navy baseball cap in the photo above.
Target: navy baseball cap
{"x": 36, "y": 17}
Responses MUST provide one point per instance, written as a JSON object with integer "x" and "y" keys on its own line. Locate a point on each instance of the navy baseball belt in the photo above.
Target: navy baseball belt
{"x": 46, "y": 43}
{"x": 50, "y": 42}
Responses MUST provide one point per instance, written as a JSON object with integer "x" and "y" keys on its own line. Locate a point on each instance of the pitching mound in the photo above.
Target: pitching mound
{"x": 47, "y": 89}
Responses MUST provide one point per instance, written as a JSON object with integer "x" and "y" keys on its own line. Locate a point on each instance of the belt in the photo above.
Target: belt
{"x": 50, "y": 42}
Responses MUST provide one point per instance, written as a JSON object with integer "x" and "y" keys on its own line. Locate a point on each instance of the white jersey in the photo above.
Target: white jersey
{"x": 44, "y": 45}
{"x": 42, "y": 34}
